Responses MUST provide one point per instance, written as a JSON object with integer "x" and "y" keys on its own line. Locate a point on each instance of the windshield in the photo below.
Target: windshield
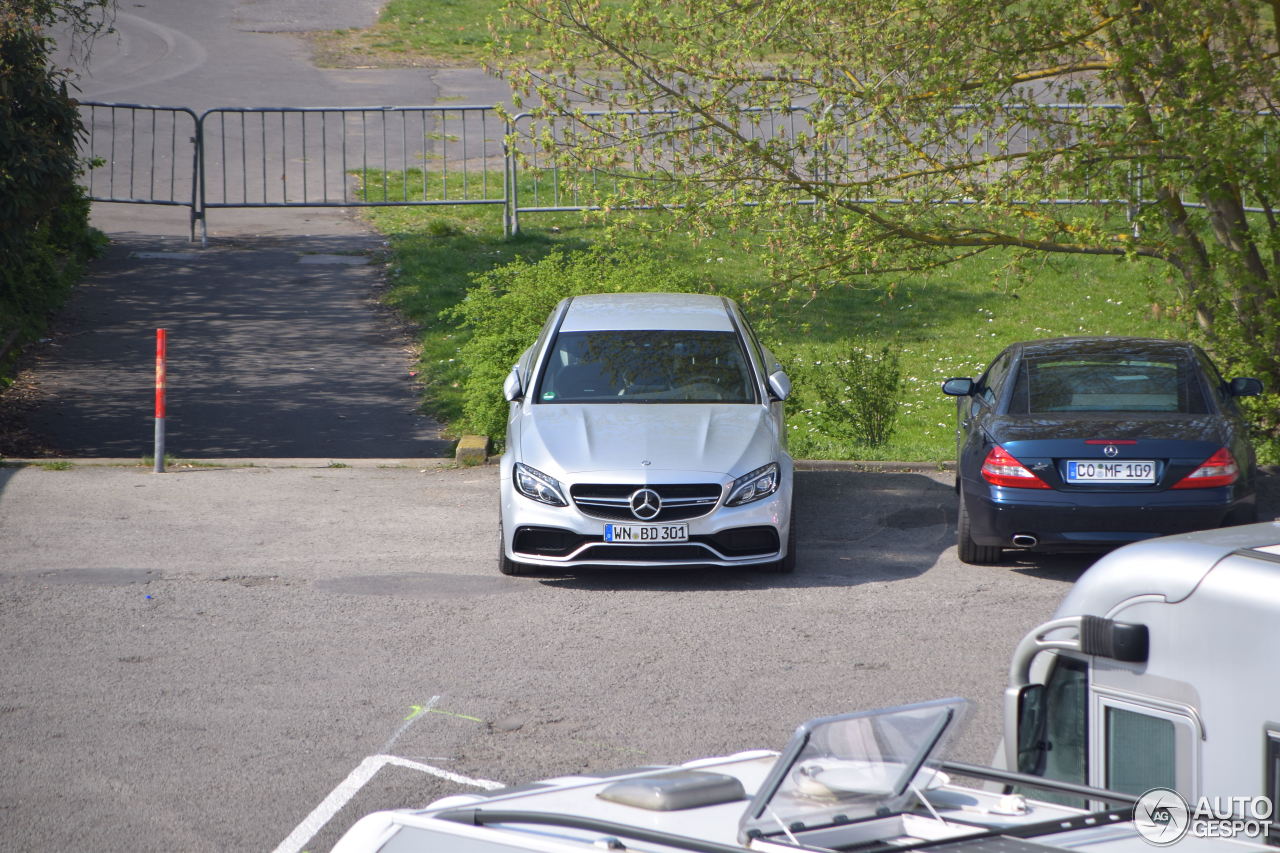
{"x": 1107, "y": 383}
{"x": 646, "y": 367}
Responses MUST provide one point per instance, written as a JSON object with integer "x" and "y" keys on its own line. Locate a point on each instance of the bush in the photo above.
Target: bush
{"x": 847, "y": 396}
{"x": 44, "y": 231}
{"x": 506, "y": 307}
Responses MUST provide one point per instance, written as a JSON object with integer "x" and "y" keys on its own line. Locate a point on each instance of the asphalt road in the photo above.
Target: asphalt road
{"x": 197, "y": 660}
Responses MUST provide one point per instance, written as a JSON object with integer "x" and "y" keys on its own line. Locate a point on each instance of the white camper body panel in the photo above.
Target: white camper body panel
{"x": 1207, "y": 692}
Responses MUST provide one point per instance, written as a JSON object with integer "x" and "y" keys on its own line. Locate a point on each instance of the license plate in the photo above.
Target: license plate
{"x": 1128, "y": 471}
{"x": 645, "y": 534}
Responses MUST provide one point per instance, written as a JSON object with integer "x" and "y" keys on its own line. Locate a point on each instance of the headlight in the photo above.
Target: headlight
{"x": 536, "y": 485}
{"x": 760, "y": 483}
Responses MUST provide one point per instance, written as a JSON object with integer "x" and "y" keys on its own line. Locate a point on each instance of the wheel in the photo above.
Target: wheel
{"x": 505, "y": 564}
{"x": 787, "y": 564}
{"x": 968, "y": 550}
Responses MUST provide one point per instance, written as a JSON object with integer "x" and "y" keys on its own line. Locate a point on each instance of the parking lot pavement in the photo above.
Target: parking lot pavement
{"x": 197, "y": 659}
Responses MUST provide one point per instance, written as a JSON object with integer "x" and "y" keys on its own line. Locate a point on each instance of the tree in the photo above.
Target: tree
{"x": 44, "y": 230}
{"x": 925, "y": 131}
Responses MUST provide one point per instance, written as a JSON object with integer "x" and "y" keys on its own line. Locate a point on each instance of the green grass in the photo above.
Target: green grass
{"x": 422, "y": 32}
{"x": 953, "y": 321}
{"x": 948, "y": 322}
{"x": 431, "y": 33}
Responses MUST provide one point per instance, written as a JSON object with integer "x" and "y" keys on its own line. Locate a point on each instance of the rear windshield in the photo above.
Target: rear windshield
{"x": 646, "y": 367}
{"x": 1107, "y": 383}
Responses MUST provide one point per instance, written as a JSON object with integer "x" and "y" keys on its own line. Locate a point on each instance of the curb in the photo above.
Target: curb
{"x": 472, "y": 450}
{"x": 196, "y": 464}
{"x": 873, "y": 466}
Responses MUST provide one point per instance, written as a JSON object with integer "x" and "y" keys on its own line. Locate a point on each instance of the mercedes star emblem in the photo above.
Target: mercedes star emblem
{"x": 646, "y": 504}
{"x": 1110, "y": 451}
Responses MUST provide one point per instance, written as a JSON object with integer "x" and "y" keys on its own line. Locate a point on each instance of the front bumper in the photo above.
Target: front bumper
{"x": 1089, "y": 521}
{"x": 566, "y": 537}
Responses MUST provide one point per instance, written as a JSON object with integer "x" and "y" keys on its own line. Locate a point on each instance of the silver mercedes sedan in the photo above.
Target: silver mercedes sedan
{"x": 646, "y": 429}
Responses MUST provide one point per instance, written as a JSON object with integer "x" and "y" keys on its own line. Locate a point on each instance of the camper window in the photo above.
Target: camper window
{"x": 1140, "y": 752}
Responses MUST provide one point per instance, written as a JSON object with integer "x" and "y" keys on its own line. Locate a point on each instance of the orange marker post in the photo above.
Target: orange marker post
{"x": 161, "y": 346}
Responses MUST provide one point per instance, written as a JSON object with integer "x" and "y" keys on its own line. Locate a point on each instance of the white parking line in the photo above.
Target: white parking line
{"x": 350, "y": 786}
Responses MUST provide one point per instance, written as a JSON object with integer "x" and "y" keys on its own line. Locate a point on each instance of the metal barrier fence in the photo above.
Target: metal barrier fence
{"x": 141, "y": 154}
{"x": 468, "y": 155}
{"x": 294, "y": 157}
{"x": 547, "y": 187}
{"x": 349, "y": 156}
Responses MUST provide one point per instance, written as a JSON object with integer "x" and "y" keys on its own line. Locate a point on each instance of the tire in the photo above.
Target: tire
{"x": 969, "y": 551}
{"x": 787, "y": 564}
{"x": 505, "y": 564}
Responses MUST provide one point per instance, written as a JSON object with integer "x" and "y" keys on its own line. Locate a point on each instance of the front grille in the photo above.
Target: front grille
{"x": 612, "y": 501}
{"x": 735, "y": 543}
{"x": 644, "y": 553}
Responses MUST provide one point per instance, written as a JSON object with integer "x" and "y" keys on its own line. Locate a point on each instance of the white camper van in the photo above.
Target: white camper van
{"x": 872, "y": 782}
{"x": 1160, "y": 669}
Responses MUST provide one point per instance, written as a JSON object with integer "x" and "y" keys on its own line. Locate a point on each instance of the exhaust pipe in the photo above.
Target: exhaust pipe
{"x": 1024, "y": 540}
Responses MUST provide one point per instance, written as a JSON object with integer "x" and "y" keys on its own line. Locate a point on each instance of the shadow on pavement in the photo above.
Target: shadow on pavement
{"x": 854, "y": 527}
{"x": 277, "y": 348}
{"x": 860, "y": 527}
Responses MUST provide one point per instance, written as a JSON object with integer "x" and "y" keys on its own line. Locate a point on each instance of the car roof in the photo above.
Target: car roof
{"x": 1098, "y": 345}
{"x": 638, "y": 311}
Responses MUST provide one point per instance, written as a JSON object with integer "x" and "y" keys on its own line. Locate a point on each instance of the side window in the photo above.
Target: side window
{"x": 991, "y": 383}
{"x": 1140, "y": 752}
{"x": 759, "y": 354}
{"x": 1217, "y": 387}
{"x": 1066, "y": 732}
{"x": 1146, "y": 747}
{"x": 535, "y": 352}
{"x": 1053, "y": 729}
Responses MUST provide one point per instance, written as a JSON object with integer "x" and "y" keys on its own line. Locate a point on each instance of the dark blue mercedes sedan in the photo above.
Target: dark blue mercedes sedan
{"x": 1076, "y": 444}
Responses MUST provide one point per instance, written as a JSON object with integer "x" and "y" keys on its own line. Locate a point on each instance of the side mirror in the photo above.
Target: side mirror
{"x": 958, "y": 387}
{"x": 512, "y": 388}
{"x": 779, "y": 385}
{"x": 1244, "y": 386}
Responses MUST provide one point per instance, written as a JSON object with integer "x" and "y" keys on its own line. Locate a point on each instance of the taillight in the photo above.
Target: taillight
{"x": 1001, "y": 469}
{"x": 1220, "y": 469}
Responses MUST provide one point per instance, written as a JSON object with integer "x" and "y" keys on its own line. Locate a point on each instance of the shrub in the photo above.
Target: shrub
{"x": 44, "y": 232}
{"x": 506, "y": 307}
{"x": 849, "y": 395}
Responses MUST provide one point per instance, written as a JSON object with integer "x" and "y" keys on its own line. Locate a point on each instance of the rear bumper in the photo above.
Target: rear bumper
{"x": 1091, "y": 521}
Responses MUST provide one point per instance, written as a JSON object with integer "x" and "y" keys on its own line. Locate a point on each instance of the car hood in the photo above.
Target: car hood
{"x": 619, "y": 437}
